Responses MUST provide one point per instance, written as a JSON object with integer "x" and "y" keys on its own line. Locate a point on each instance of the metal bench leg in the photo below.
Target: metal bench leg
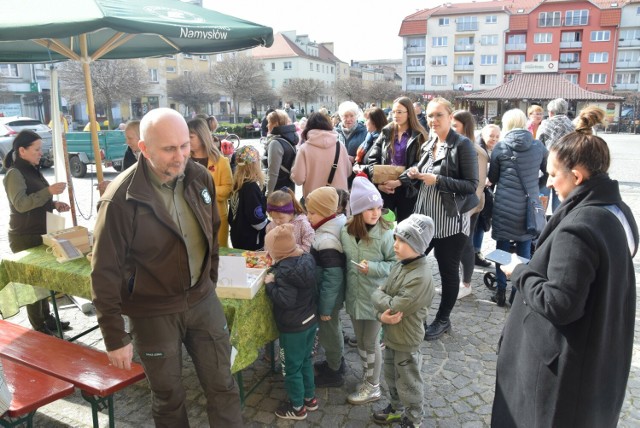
{"x": 100, "y": 403}
{"x": 240, "y": 387}
{"x": 14, "y": 422}
{"x": 56, "y": 314}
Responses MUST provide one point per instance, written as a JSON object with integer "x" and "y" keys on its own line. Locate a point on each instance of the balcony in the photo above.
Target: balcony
{"x": 466, "y": 26}
{"x": 464, "y": 48}
{"x": 628, "y": 43}
{"x": 416, "y": 49}
{"x": 415, "y": 87}
{"x": 515, "y": 47}
{"x": 573, "y": 65}
{"x": 513, "y": 67}
{"x": 570, "y": 45}
{"x": 415, "y": 68}
{"x": 628, "y": 64}
{"x": 626, "y": 87}
{"x": 463, "y": 67}
{"x": 576, "y": 22}
{"x": 549, "y": 22}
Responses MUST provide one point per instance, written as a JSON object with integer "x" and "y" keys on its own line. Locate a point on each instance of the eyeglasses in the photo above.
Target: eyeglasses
{"x": 436, "y": 116}
{"x": 399, "y": 111}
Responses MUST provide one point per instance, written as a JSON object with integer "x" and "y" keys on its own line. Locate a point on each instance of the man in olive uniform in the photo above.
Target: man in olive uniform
{"x": 155, "y": 259}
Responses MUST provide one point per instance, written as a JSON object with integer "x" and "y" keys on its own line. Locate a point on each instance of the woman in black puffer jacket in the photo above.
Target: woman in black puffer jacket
{"x": 510, "y": 206}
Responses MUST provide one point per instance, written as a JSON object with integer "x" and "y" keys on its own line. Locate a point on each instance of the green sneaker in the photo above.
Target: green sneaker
{"x": 387, "y": 416}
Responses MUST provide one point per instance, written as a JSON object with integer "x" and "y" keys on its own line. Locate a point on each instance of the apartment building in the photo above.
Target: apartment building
{"x": 627, "y": 74}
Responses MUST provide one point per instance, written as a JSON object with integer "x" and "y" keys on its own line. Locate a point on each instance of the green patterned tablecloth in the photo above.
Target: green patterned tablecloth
{"x": 250, "y": 321}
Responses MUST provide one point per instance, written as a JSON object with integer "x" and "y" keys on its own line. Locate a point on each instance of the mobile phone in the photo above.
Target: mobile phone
{"x": 358, "y": 264}
{"x": 502, "y": 257}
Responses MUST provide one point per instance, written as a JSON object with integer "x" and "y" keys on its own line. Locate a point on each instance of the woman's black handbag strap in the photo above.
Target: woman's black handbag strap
{"x": 334, "y": 167}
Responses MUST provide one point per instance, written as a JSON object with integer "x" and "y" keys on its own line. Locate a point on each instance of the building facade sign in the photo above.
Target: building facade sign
{"x": 540, "y": 67}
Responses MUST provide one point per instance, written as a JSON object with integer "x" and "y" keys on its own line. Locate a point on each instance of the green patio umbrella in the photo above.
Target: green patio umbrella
{"x": 40, "y": 31}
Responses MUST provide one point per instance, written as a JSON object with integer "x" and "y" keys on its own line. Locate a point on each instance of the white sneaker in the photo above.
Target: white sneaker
{"x": 464, "y": 291}
{"x": 365, "y": 393}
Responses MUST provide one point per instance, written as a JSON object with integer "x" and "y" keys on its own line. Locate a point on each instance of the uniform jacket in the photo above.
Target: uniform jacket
{"x": 330, "y": 265}
{"x": 355, "y": 138}
{"x": 458, "y": 171}
{"x": 510, "y": 206}
{"x": 408, "y": 289}
{"x": 566, "y": 347}
{"x": 281, "y": 153}
{"x": 248, "y": 208}
{"x": 314, "y": 159}
{"x": 140, "y": 263}
{"x": 380, "y": 154}
{"x": 223, "y": 181}
{"x": 293, "y": 293}
{"x": 30, "y": 204}
{"x": 378, "y": 252}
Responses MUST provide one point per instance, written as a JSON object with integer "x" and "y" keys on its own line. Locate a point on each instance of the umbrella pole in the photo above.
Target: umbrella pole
{"x": 91, "y": 106}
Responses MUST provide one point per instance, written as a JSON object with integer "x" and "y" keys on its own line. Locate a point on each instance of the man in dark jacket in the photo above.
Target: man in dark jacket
{"x": 422, "y": 118}
{"x": 155, "y": 259}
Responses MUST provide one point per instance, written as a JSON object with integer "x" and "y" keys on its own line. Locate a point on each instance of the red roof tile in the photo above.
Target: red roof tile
{"x": 610, "y": 17}
{"x": 540, "y": 86}
{"x": 518, "y": 22}
{"x": 283, "y": 47}
{"x": 412, "y": 28}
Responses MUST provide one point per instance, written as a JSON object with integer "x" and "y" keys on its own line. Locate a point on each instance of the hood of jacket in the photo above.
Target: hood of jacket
{"x": 288, "y": 132}
{"x": 321, "y": 138}
{"x": 519, "y": 140}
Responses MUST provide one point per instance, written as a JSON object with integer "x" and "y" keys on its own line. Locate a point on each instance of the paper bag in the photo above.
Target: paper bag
{"x": 382, "y": 173}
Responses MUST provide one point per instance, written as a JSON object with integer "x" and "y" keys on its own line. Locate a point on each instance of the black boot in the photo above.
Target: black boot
{"x": 50, "y": 321}
{"x": 499, "y": 297}
{"x": 437, "y": 328}
{"x": 481, "y": 261}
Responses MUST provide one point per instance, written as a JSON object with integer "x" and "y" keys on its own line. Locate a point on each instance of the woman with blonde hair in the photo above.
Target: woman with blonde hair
{"x": 248, "y": 206}
{"x": 535, "y": 113}
{"x": 448, "y": 176}
{"x": 399, "y": 144}
{"x": 204, "y": 152}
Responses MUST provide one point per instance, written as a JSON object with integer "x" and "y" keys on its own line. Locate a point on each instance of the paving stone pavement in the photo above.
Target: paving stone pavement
{"x": 459, "y": 369}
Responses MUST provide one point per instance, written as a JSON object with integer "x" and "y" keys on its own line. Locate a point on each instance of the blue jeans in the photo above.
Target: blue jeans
{"x": 478, "y": 236}
{"x": 523, "y": 249}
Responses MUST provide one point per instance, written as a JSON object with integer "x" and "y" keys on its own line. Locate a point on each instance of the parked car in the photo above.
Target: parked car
{"x": 11, "y": 126}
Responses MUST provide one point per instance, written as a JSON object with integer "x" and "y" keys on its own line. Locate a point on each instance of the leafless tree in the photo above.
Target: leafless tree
{"x": 350, "y": 89}
{"x": 237, "y": 75}
{"x": 303, "y": 90}
{"x": 382, "y": 90}
{"x": 262, "y": 95}
{"x": 112, "y": 81}
{"x": 194, "y": 90}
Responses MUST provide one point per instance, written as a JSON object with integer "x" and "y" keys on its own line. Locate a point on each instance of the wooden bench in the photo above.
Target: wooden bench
{"x": 86, "y": 368}
{"x": 31, "y": 390}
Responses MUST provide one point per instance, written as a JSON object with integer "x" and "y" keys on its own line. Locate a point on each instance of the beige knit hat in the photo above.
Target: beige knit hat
{"x": 280, "y": 243}
{"x": 322, "y": 201}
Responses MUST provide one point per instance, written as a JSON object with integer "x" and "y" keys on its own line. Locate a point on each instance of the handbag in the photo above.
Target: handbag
{"x": 534, "y": 219}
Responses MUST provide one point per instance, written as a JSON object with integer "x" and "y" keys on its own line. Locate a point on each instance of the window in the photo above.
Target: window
{"x": 626, "y": 78}
{"x": 310, "y": 66}
{"x": 186, "y": 72}
{"x": 597, "y": 78}
{"x": 491, "y": 19}
{"x": 542, "y": 38}
{"x": 549, "y": 19}
{"x": 542, "y": 57}
{"x": 318, "y": 67}
{"x": 517, "y": 39}
{"x": 187, "y": 56}
{"x": 569, "y": 57}
{"x": 629, "y": 35}
{"x": 467, "y": 23}
{"x": 203, "y": 57}
{"x": 331, "y": 69}
{"x": 465, "y": 60}
{"x": 573, "y": 78}
{"x": 571, "y": 36}
{"x": 443, "y": 22}
{"x": 439, "y": 80}
{"x": 628, "y": 56}
{"x": 600, "y": 36}
{"x": 416, "y": 43}
{"x": 171, "y": 69}
{"x": 439, "y": 41}
{"x": 416, "y": 81}
{"x": 273, "y": 66}
{"x": 515, "y": 59}
{"x": 489, "y": 40}
{"x": 576, "y": 17}
{"x": 273, "y": 83}
{"x": 439, "y": 61}
{"x": 286, "y": 65}
{"x": 598, "y": 57}
{"x": 488, "y": 79}
{"x": 488, "y": 59}
{"x": 9, "y": 70}
{"x": 153, "y": 75}
{"x": 416, "y": 62}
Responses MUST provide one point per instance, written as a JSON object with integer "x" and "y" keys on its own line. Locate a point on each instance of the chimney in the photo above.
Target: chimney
{"x": 328, "y": 46}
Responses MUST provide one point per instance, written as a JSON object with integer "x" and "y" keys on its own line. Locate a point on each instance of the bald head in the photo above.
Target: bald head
{"x": 164, "y": 142}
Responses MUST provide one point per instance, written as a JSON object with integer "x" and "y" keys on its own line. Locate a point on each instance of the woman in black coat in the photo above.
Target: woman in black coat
{"x": 565, "y": 352}
{"x": 448, "y": 176}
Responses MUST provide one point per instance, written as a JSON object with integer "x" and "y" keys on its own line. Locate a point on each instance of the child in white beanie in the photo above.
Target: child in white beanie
{"x": 401, "y": 305}
{"x": 367, "y": 240}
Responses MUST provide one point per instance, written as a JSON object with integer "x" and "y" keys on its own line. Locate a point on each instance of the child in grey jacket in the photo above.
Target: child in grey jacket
{"x": 402, "y": 305}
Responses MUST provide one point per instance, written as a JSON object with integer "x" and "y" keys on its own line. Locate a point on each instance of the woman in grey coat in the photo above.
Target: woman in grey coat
{"x": 516, "y": 152}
